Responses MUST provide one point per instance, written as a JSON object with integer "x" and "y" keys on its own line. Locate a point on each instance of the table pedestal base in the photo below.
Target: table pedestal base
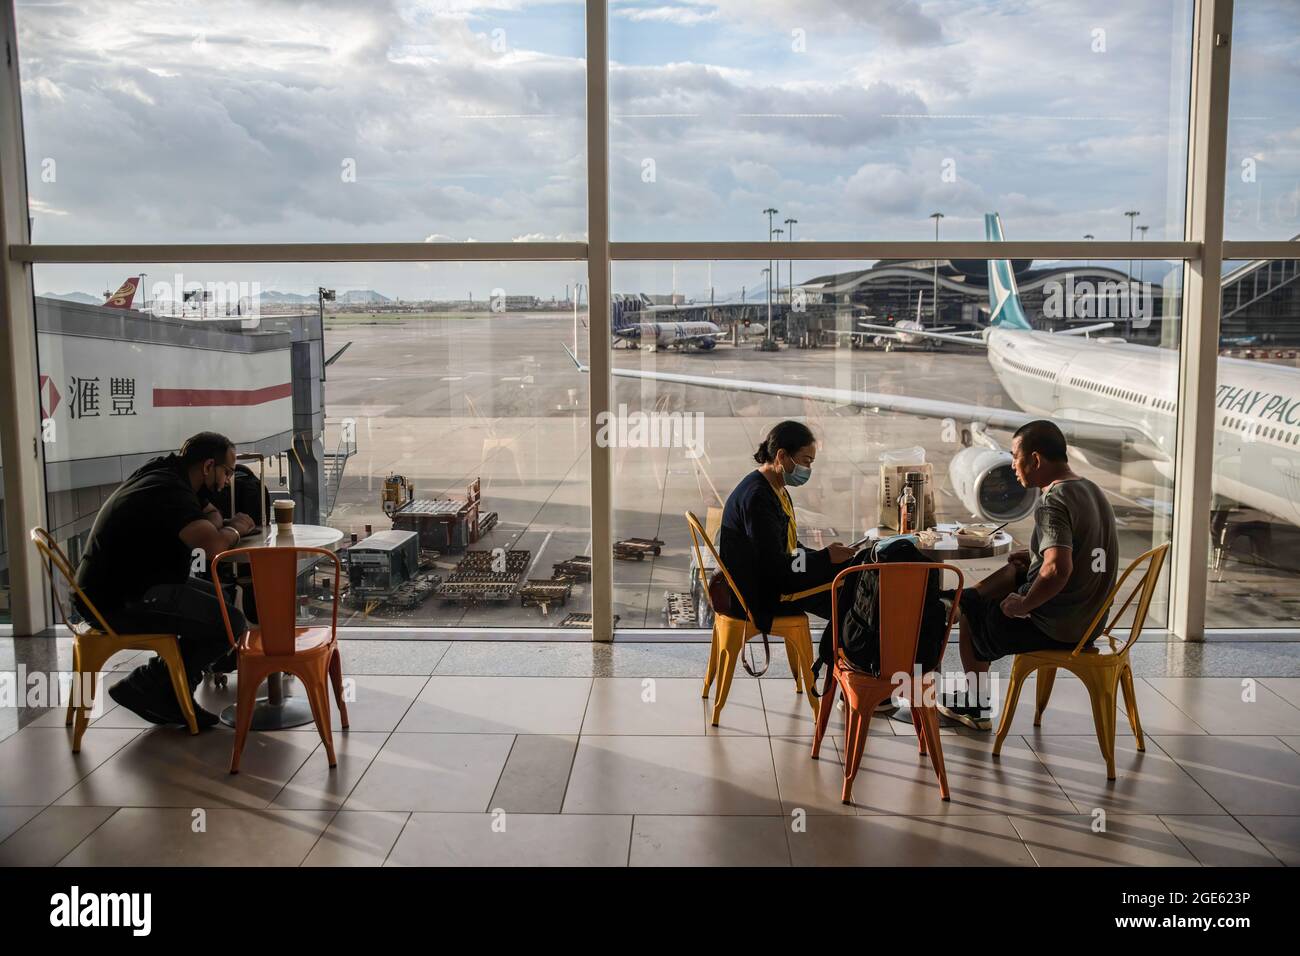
{"x": 290, "y": 712}
{"x": 275, "y": 711}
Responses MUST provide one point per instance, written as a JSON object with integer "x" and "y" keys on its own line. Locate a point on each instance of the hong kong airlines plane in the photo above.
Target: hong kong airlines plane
{"x": 1117, "y": 403}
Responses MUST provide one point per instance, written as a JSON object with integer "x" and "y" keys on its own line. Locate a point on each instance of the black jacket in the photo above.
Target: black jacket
{"x": 754, "y": 545}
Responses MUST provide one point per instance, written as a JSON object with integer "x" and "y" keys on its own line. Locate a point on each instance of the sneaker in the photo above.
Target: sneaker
{"x": 158, "y": 709}
{"x": 976, "y": 718}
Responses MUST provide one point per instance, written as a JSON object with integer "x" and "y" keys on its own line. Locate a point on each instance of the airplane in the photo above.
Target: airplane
{"x": 665, "y": 335}
{"x": 1116, "y": 402}
{"x": 904, "y": 332}
{"x": 122, "y": 298}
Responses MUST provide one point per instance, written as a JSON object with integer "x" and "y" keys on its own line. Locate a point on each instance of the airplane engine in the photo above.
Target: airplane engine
{"x": 707, "y": 344}
{"x": 985, "y": 481}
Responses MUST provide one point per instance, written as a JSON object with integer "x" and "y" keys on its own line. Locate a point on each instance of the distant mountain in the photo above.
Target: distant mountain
{"x": 76, "y": 297}
{"x": 362, "y": 297}
{"x": 286, "y": 298}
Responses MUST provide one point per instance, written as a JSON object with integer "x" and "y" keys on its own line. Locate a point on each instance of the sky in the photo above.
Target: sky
{"x": 222, "y": 121}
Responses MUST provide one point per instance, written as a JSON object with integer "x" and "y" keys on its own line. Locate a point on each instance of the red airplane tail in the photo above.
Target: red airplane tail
{"x": 122, "y": 298}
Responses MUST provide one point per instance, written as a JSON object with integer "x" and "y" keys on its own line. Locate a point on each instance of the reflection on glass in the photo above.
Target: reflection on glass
{"x": 222, "y": 121}
{"x": 1254, "y": 576}
{"x": 430, "y": 411}
{"x": 858, "y": 353}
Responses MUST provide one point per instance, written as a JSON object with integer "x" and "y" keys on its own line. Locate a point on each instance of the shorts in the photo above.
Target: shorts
{"x": 993, "y": 635}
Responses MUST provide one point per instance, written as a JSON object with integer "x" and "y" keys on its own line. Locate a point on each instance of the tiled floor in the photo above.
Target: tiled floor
{"x": 476, "y": 753}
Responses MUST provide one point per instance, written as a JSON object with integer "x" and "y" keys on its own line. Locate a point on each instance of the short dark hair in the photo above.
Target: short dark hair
{"x": 199, "y": 448}
{"x": 787, "y": 436}
{"x": 1044, "y": 437}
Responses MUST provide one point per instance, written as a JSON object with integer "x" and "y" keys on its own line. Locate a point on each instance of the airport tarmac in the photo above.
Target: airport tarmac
{"x": 445, "y": 400}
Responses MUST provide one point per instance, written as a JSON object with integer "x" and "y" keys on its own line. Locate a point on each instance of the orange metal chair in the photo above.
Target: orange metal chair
{"x": 730, "y": 634}
{"x": 277, "y": 644}
{"x": 902, "y": 603}
{"x": 1104, "y": 671}
{"x": 93, "y": 645}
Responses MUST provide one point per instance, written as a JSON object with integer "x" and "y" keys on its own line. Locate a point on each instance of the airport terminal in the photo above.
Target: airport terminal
{"x": 646, "y": 459}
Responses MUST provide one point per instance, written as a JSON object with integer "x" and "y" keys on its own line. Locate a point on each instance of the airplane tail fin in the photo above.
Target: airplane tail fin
{"x": 1005, "y": 310}
{"x": 122, "y": 298}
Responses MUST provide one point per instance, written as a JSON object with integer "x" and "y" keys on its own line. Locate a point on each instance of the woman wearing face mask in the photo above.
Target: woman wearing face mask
{"x": 759, "y": 541}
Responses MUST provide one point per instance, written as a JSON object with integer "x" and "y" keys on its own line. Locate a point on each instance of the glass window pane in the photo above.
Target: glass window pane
{"x": 848, "y": 354}
{"x": 220, "y": 121}
{"x": 433, "y": 382}
{"x": 1254, "y": 574}
{"x": 1263, "y": 187}
{"x": 861, "y": 120}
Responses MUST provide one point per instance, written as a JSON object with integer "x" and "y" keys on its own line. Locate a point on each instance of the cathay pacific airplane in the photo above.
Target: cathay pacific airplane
{"x": 1115, "y": 401}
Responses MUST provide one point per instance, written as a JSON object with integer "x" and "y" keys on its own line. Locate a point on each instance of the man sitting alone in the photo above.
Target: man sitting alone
{"x": 1043, "y": 598}
{"x": 137, "y": 563}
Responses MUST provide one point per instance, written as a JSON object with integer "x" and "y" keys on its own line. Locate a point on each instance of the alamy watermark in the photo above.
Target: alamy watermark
{"x": 638, "y": 429}
{"x": 1081, "y": 300}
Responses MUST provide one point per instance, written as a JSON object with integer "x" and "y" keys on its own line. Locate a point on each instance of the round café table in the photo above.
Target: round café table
{"x": 948, "y": 551}
{"x": 277, "y": 710}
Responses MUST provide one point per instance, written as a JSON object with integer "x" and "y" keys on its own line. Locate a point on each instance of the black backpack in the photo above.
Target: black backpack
{"x": 860, "y": 618}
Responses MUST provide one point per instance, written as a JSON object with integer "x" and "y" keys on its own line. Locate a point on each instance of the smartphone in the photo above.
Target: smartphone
{"x": 861, "y": 542}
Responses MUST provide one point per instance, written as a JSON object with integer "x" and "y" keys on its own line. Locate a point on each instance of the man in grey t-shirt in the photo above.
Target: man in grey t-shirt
{"x": 1046, "y": 597}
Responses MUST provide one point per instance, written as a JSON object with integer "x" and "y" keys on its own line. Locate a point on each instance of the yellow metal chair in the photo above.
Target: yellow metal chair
{"x": 93, "y": 646}
{"x": 1103, "y": 670}
{"x": 730, "y": 634}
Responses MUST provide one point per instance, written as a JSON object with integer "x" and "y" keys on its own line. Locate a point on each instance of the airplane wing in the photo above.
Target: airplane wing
{"x": 1085, "y": 329}
{"x": 1076, "y": 432}
{"x": 940, "y": 336}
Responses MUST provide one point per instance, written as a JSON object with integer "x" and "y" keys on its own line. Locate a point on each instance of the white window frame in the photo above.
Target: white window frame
{"x": 1202, "y": 249}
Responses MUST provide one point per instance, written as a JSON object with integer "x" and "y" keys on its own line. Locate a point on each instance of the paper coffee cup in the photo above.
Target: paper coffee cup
{"x": 283, "y": 514}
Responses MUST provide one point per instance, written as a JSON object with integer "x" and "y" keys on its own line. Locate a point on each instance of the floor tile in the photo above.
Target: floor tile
{"x": 11, "y": 818}
{"x": 357, "y": 838}
{"x": 709, "y": 841}
{"x": 1127, "y": 840}
{"x": 667, "y": 705}
{"x": 1251, "y": 775}
{"x": 652, "y": 659}
{"x": 51, "y": 835}
{"x": 894, "y": 778}
{"x": 788, "y": 714}
{"x": 433, "y": 772}
{"x": 1146, "y": 782}
{"x": 1292, "y": 742}
{"x": 398, "y": 658}
{"x": 1288, "y": 688}
{"x": 536, "y": 774}
{"x": 681, "y": 774}
{"x": 318, "y": 787}
{"x": 166, "y": 767}
{"x": 37, "y": 764}
{"x": 512, "y": 839}
{"x": 1280, "y": 835}
{"x": 1216, "y": 704}
{"x": 807, "y": 785}
{"x": 908, "y": 841}
{"x": 499, "y": 705}
{"x": 1219, "y": 841}
{"x": 155, "y": 836}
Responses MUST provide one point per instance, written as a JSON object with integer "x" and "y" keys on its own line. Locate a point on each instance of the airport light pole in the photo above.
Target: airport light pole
{"x": 789, "y": 264}
{"x": 1142, "y": 262}
{"x": 767, "y": 333}
{"x": 1132, "y": 215}
{"x": 934, "y": 296}
{"x": 1088, "y": 235}
{"x": 777, "y": 233}
{"x": 323, "y": 295}
{"x": 769, "y": 212}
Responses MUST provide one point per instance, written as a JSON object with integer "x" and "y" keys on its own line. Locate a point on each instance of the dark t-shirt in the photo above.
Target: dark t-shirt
{"x": 135, "y": 542}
